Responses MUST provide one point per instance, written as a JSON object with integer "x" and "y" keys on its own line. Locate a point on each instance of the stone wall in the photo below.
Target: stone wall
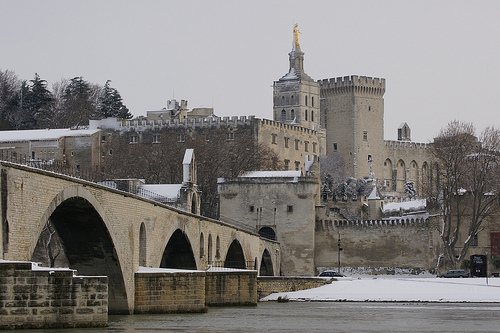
{"x": 397, "y": 243}
{"x": 231, "y": 288}
{"x": 267, "y": 285}
{"x": 168, "y": 292}
{"x": 50, "y": 298}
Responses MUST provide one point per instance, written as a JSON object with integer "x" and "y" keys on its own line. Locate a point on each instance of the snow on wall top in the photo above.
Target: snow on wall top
{"x": 165, "y": 190}
{"x": 374, "y": 195}
{"x": 188, "y": 156}
{"x": 43, "y": 134}
{"x": 271, "y": 174}
{"x": 405, "y": 205}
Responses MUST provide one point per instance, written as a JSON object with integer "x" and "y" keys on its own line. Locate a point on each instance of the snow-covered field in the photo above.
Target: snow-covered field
{"x": 402, "y": 289}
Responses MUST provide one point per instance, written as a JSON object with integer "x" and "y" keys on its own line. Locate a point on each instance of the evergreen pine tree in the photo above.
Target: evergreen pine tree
{"x": 111, "y": 104}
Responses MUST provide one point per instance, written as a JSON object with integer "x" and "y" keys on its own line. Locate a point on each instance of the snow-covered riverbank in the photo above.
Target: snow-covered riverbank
{"x": 402, "y": 289}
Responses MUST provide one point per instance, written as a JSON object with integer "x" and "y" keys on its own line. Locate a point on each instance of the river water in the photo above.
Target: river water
{"x": 316, "y": 317}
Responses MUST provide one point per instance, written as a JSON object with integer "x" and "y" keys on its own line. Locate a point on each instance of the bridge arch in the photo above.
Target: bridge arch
{"x": 87, "y": 241}
{"x": 235, "y": 257}
{"x": 266, "y": 264}
{"x": 178, "y": 253}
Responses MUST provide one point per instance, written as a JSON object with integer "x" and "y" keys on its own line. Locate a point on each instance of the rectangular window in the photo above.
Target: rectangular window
{"x": 314, "y": 146}
{"x": 133, "y": 139}
{"x": 252, "y": 208}
{"x": 296, "y": 144}
{"x": 335, "y": 146}
{"x": 156, "y": 139}
{"x": 103, "y": 139}
{"x": 474, "y": 241}
{"x": 274, "y": 139}
{"x": 181, "y": 138}
{"x": 287, "y": 164}
{"x": 289, "y": 209}
{"x": 230, "y": 136}
{"x": 286, "y": 142}
{"x": 306, "y": 145}
{"x": 206, "y": 137}
{"x": 365, "y": 135}
{"x": 297, "y": 165}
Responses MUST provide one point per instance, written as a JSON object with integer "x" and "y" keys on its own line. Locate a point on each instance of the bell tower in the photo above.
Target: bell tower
{"x": 296, "y": 94}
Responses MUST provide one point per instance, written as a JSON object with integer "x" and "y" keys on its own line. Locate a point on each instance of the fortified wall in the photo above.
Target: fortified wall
{"x": 408, "y": 243}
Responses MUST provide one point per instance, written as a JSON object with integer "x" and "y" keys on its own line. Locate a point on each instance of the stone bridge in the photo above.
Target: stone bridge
{"x": 108, "y": 232}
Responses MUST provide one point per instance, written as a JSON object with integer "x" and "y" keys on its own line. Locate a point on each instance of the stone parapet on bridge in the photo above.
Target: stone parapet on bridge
{"x": 32, "y": 297}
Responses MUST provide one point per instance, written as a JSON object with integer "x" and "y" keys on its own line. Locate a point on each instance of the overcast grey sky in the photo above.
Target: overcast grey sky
{"x": 440, "y": 59}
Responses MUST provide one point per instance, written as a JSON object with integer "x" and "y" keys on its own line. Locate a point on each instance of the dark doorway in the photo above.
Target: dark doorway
{"x": 268, "y": 233}
{"x": 178, "y": 253}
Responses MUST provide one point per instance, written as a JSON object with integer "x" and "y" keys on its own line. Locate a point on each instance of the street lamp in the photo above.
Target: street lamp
{"x": 340, "y": 249}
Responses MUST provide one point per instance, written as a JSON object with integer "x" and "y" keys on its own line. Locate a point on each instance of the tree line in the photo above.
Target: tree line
{"x": 30, "y": 104}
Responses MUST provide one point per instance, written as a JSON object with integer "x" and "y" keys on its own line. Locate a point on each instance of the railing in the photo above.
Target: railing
{"x": 95, "y": 177}
{"x": 53, "y": 166}
{"x": 225, "y": 265}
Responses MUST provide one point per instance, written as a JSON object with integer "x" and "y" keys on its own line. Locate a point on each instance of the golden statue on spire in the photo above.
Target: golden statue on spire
{"x": 296, "y": 33}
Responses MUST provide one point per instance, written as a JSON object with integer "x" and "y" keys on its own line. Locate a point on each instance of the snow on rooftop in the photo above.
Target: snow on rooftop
{"x": 271, "y": 174}
{"x": 405, "y": 205}
{"x": 290, "y": 75}
{"x": 374, "y": 195}
{"x": 387, "y": 289}
{"x": 43, "y": 134}
{"x": 164, "y": 190}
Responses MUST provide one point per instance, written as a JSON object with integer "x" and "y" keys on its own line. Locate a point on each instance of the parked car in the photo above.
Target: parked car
{"x": 454, "y": 273}
{"x": 331, "y": 274}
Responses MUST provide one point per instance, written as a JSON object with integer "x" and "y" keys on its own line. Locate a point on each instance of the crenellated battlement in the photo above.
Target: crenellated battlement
{"x": 199, "y": 123}
{"x": 405, "y": 221}
{"x": 353, "y": 83}
{"x": 406, "y": 145}
{"x": 280, "y": 125}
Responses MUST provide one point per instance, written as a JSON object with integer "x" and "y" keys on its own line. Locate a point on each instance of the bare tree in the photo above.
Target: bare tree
{"x": 467, "y": 191}
{"x": 156, "y": 156}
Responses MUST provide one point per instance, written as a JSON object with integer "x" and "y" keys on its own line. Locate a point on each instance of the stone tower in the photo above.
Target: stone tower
{"x": 296, "y": 95}
{"x": 352, "y": 110}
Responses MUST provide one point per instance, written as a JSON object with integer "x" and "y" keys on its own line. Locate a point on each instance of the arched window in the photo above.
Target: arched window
{"x": 283, "y": 115}
{"x": 312, "y": 115}
{"x": 292, "y": 101}
{"x": 292, "y": 114}
{"x": 217, "y": 248}
{"x": 202, "y": 246}
{"x": 209, "y": 249}
{"x": 306, "y": 116}
{"x": 306, "y": 100}
{"x": 142, "y": 245}
{"x": 312, "y": 101}
{"x": 282, "y": 100}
